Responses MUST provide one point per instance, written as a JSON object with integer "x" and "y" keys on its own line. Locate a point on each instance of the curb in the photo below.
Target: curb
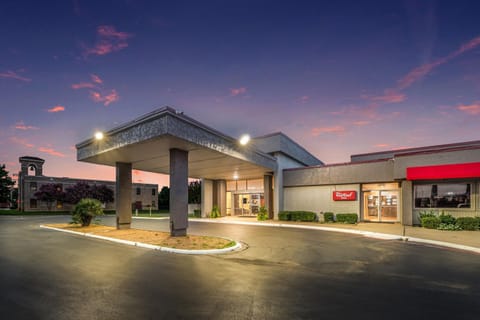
{"x": 368, "y": 234}
{"x": 237, "y": 245}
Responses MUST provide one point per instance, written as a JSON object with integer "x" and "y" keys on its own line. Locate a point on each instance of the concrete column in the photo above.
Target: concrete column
{"x": 219, "y": 195}
{"x": 268, "y": 194}
{"x": 207, "y": 197}
{"x": 178, "y": 192}
{"x": 123, "y": 195}
{"x": 406, "y": 207}
{"x": 277, "y": 192}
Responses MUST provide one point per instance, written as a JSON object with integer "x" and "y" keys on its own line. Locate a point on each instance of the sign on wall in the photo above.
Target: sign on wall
{"x": 347, "y": 195}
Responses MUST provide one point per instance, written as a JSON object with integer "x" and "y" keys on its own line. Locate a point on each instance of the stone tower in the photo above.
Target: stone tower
{"x": 31, "y": 164}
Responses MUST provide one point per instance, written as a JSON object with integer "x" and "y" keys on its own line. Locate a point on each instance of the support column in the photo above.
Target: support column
{"x": 277, "y": 192}
{"x": 207, "y": 197}
{"x": 219, "y": 196}
{"x": 178, "y": 192}
{"x": 123, "y": 195}
{"x": 268, "y": 194}
{"x": 406, "y": 207}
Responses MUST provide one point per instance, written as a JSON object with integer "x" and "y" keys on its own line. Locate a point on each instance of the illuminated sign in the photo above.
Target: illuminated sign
{"x": 348, "y": 195}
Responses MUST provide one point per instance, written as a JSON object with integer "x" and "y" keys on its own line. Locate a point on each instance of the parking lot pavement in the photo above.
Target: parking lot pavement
{"x": 284, "y": 274}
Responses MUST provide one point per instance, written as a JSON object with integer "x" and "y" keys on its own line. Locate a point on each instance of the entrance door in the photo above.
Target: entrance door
{"x": 380, "y": 205}
{"x": 247, "y": 204}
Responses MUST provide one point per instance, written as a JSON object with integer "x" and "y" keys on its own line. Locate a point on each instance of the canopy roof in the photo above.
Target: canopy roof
{"x": 145, "y": 143}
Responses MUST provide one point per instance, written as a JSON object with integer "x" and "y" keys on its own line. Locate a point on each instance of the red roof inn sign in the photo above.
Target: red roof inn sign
{"x": 349, "y": 195}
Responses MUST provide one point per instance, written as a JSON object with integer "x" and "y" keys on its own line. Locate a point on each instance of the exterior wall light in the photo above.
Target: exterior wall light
{"x": 244, "y": 139}
{"x": 235, "y": 177}
{"x": 99, "y": 135}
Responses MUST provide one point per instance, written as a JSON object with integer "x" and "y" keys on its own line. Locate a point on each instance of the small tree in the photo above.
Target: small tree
{"x": 50, "y": 193}
{"x": 79, "y": 191}
{"x": 82, "y": 190}
{"x": 6, "y": 184}
{"x": 102, "y": 193}
{"x": 85, "y": 210}
{"x": 195, "y": 192}
{"x": 164, "y": 198}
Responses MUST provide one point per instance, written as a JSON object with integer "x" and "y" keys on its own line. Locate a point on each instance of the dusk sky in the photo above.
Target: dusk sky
{"x": 338, "y": 77}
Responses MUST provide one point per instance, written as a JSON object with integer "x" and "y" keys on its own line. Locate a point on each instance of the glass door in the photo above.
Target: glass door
{"x": 380, "y": 205}
{"x": 371, "y": 205}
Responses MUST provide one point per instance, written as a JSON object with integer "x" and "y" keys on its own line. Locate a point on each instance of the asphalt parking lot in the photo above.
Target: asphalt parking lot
{"x": 284, "y": 274}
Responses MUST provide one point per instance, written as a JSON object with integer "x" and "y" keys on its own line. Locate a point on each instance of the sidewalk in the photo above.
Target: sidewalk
{"x": 464, "y": 240}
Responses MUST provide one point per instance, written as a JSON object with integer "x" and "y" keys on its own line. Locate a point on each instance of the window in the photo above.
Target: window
{"x": 232, "y": 185}
{"x": 443, "y": 195}
{"x": 139, "y": 191}
{"x": 153, "y": 192}
{"x": 33, "y": 203}
{"x": 33, "y": 186}
{"x": 256, "y": 184}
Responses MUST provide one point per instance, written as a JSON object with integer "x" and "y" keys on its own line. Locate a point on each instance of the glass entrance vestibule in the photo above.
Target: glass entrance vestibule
{"x": 244, "y": 197}
{"x": 381, "y": 202}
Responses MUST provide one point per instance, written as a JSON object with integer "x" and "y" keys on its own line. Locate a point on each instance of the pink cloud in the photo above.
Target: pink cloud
{"x": 13, "y": 75}
{"x": 333, "y": 130}
{"x": 96, "y": 78}
{"x": 304, "y": 99}
{"x": 56, "y": 109}
{"x": 382, "y": 145}
{"x": 236, "y": 91}
{"x": 389, "y": 96}
{"x": 109, "y": 40}
{"x": 21, "y": 126}
{"x": 472, "y": 109}
{"x": 51, "y": 152}
{"x": 21, "y": 142}
{"x": 361, "y": 123}
{"x": 106, "y": 99}
{"x": 82, "y": 85}
{"x": 110, "y": 32}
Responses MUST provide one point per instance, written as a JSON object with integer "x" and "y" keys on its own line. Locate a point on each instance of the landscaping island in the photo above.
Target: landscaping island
{"x": 157, "y": 238}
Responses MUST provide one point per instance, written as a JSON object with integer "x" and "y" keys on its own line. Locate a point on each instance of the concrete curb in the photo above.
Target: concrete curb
{"x": 237, "y": 245}
{"x": 369, "y": 234}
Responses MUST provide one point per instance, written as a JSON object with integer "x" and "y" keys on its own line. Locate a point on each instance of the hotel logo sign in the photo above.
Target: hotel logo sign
{"x": 348, "y": 195}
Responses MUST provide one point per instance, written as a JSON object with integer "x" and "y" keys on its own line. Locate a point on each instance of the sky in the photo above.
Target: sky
{"x": 338, "y": 77}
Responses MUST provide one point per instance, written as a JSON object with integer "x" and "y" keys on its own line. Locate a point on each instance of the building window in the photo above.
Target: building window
{"x": 33, "y": 186}
{"x": 139, "y": 191}
{"x": 232, "y": 185}
{"x": 33, "y": 203}
{"x": 256, "y": 184}
{"x": 443, "y": 195}
{"x": 154, "y": 192}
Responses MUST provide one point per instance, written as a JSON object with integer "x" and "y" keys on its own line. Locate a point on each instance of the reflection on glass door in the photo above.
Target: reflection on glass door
{"x": 247, "y": 204}
{"x": 380, "y": 205}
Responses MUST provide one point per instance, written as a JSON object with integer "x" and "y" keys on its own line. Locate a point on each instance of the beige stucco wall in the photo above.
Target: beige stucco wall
{"x": 320, "y": 199}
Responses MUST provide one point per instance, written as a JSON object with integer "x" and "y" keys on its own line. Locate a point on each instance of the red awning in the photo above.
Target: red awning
{"x": 446, "y": 171}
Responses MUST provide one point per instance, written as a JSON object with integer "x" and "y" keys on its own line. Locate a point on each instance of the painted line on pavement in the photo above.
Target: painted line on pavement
{"x": 237, "y": 245}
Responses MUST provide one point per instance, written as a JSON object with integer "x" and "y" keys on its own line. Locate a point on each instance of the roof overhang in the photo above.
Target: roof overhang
{"x": 447, "y": 171}
{"x": 145, "y": 143}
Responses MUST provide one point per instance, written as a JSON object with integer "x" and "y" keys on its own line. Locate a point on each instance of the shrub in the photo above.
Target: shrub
{"x": 85, "y": 210}
{"x": 262, "y": 214}
{"x": 426, "y": 214}
{"x": 297, "y": 216}
{"x": 448, "y": 227}
{"x": 284, "y": 216}
{"x": 197, "y": 213}
{"x": 468, "y": 223}
{"x": 430, "y": 222}
{"x": 328, "y": 217}
{"x": 447, "y": 219}
{"x": 215, "y": 212}
{"x": 350, "y": 218}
